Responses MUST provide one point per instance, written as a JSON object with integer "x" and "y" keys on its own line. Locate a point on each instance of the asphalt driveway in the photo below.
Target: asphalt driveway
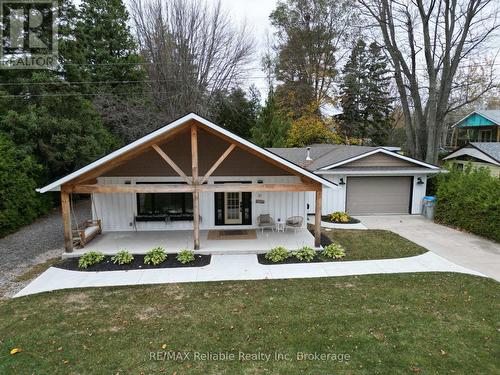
{"x": 464, "y": 249}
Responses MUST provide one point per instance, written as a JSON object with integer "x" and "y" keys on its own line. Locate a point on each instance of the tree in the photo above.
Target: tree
{"x": 271, "y": 128}
{"x": 309, "y": 129}
{"x": 309, "y": 35}
{"x": 428, "y": 42}
{"x": 235, "y": 112}
{"x": 193, "y": 51}
{"x": 103, "y": 49}
{"x": 365, "y": 95}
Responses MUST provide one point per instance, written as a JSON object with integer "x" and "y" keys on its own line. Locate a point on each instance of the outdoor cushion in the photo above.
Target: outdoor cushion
{"x": 265, "y": 219}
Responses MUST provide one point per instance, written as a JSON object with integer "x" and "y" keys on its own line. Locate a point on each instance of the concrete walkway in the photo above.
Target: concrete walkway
{"x": 461, "y": 248}
{"x": 238, "y": 267}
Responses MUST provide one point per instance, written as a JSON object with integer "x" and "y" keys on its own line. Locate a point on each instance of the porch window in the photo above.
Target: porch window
{"x": 161, "y": 206}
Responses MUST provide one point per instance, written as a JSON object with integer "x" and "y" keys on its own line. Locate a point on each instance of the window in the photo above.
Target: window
{"x": 159, "y": 206}
{"x": 484, "y": 135}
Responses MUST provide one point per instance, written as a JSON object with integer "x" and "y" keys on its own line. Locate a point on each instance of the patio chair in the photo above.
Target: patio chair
{"x": 294, "y": 222}
{"x": 265, "y": 221}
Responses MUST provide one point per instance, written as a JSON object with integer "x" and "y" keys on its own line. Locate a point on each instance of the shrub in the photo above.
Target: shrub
{"x": 155, "y": 256}
{"x": 469, "y": 199}
{"x": 278, "y": 254}
{"x": 90, "y": 258}
{"x": 339, "y": 217}
{"x": 334, "y": 250}
{"x": 122, "y": 257}
{"x": 20, "y": 204}
{"x": 185, "y": 256}
{"x": 306, "y": 253}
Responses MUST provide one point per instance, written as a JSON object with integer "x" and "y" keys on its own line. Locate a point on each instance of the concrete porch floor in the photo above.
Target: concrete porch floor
{"x": 173, "y": 241}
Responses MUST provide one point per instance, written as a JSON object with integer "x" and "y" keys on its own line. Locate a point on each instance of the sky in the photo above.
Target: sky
{"x": 256, "y": 15}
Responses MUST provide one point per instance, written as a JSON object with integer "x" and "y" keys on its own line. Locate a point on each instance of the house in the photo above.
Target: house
{"x": 478, "y": 126}
{"x": 192, "y": 177}
{"x": 478, "y": 154}
{"x": 368, "y": 180}
{"x": 187, "y": 178}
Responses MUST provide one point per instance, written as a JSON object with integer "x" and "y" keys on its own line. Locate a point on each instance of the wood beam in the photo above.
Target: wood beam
{"x": 161, "y": 188}
{"x": 170, "y": 162}
{"x": 66, "y": 218}
{"x": 317, "y": 218}
{"x": 217, "y": 163}
{"x": 196, "y": 193}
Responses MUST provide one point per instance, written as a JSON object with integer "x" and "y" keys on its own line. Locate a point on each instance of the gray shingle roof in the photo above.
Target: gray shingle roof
{"x": 491, "y": 149}
{"x": 322, "y": 155}
{"x": 492, "y": 114}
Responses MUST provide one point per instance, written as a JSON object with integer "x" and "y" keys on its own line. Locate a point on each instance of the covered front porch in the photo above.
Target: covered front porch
{"x": 255, "y": 241}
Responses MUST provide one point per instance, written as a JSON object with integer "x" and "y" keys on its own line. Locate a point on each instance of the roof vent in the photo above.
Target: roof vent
{"x": 308, "y": 156}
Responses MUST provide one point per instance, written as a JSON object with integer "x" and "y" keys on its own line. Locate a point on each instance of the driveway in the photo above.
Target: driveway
{"x": 464, "y": 249}
{"x": 33, "y": 244}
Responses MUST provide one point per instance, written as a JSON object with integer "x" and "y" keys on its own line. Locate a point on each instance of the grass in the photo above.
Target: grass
{"x": 387, "y": 324}
{"x": 373, "y": 244}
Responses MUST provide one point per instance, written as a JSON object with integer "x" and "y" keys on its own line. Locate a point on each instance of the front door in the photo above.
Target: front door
{"x": 232, "y": 208}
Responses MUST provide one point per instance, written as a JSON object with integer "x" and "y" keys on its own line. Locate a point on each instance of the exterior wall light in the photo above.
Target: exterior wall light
{"x": 419, "y": 181}
{"x": 341, "y": 181}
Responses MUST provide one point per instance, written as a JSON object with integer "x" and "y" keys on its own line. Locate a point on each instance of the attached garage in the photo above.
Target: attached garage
{"x": 379, "y": 195}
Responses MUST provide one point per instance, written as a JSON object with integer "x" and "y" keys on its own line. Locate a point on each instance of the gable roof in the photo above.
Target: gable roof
{"x": 492, "y": 115}
{"x": 327, "y": 157}
{"x": 174, "y": 125}
{"x": 486, "y": 151}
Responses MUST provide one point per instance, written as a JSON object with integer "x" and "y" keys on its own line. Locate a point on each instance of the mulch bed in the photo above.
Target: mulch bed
{"x": 137, "y": 264}
{"x": 291, "y": 260}
{"x": 324, "y": 239}
{"x": 352, "y": 220}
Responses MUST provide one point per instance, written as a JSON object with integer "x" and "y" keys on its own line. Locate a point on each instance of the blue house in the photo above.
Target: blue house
{"x": 478, "y": 126}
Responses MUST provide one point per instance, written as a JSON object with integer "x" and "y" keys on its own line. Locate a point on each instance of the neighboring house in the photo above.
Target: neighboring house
{"x": 478, "y": 154}
{"x": 196, "y": 176}
{"x": 370, "y": 180}
{"x": 190, "y": 175}
{"x": 478, "y": 126}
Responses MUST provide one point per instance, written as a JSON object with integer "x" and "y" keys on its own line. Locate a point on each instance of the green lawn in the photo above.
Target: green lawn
{"x": 373, "y": 244}
{"x": 387, "y": 324}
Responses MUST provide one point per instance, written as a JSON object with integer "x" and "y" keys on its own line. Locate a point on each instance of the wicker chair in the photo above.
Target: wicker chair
{"x": 265, "y": 221}
{"x": 294, "y": 222}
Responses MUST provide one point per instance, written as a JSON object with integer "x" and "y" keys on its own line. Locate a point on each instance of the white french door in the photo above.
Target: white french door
{"x": 232, "y": 208}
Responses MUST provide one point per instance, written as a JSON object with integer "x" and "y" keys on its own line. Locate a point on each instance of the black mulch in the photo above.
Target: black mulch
{"x": 137, "y": 264}
{"x": 317, "y": 259}
{"x": 325, "y": 241}
{"x": 352, "y": 220}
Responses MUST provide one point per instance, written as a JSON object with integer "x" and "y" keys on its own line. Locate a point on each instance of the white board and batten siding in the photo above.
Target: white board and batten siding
{"x": 117, "y": 211}
{"x": 334, "y": 199}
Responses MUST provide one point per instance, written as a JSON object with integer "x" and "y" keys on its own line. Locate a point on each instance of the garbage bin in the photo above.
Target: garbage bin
{"x": 429, "y": 205}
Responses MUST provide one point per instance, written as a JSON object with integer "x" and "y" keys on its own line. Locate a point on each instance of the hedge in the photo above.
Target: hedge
{"x": 20, "y": 204}
{"x": 470, "y": 200}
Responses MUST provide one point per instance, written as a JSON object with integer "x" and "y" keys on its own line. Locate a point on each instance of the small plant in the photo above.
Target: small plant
{"x": 306, "y": 253}
{"x": 122, "y": 257}
{"x": 334, "y": 251}
{"x": 90, "y": 258}
{"x": 278, "y": 254}
{"x": 155, "y": 256}
{"x": 185, "y": 256}
{"x": 339, "y": 217}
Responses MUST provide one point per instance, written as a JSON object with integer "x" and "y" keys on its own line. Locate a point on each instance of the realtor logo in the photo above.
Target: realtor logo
{"x": 28, "y": 33}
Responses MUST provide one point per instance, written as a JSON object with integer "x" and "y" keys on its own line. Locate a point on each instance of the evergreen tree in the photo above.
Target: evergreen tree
{"x": 103, "y": 48}
{"x": 236, "y": 112}
{"x": 366, "y": 101}
{"x": 272, "y": 127}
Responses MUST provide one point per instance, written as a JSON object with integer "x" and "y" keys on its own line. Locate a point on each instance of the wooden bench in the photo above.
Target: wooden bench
{"x": 86, "y": 232}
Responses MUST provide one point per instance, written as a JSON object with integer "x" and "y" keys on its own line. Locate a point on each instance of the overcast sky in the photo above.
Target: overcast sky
{"x": 256, "y": 15}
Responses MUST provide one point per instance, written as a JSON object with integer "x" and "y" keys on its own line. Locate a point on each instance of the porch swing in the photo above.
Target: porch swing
{"x": 86, "y": 231}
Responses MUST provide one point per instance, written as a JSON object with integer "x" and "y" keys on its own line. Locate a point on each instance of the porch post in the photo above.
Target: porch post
{"x": 317, "y": 217}
{"x": 196, "y": 193}
{"x": 66, "y": 218}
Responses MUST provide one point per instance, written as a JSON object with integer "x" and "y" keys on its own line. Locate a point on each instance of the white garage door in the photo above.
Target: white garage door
{"x": 378, "y": 195}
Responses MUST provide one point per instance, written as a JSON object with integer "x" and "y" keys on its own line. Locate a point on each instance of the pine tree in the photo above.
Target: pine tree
{"x": 366, "y": 100}
{"x": 271, "y": 128}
